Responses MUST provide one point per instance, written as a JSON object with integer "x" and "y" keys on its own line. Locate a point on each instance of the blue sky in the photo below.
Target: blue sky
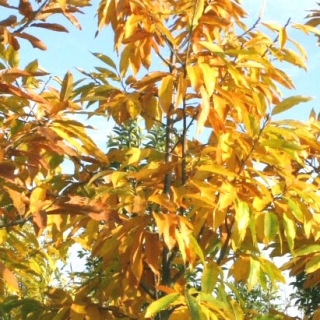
{"x": 66, "y": 51}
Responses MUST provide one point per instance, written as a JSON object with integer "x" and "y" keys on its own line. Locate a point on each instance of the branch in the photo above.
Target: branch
{"x": 225, "y": 246}
{"x": 19, "y": 222}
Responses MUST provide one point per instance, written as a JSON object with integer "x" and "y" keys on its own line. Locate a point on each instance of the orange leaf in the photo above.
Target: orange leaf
{"x": 152, "y": 252}
{"x": 39, "y": 219}
{"x": 167, "y": 224}
{"x": 9, "y": 278}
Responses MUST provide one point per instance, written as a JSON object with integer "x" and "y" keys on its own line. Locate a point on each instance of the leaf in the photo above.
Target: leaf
{"x": 288, "y": 103}
{"x": 271, "y": 226}
{"x": 313, "y": 264}
{"x": 282, "y": 37}
{"x": 212, "y": 47}
{"x": 195, "y": 76}
{"x": 167, "y": 224}
{"x": 307, "y": 249}
{"x": 107, "y": 60}
{"x": 290, "y": 230}
{"x": 254, "y": 273}
{"x": 17, "y": 199}
{"x": 25, "y": 9}
{"x": 136, "y": 258}
{"x": 66, "y": 87}
{"x": 50, "y": 26}
{"x": 165, "y": 93}
{"x": 9, "y": 278}
{"x": 242, "y": 218}
{"x": 161, "y": 304}
{"x": 192, "y": 306}
{"x": 209, "y": 277}
{"x": 197, "y": 14}
{"x": 35, "y": 42}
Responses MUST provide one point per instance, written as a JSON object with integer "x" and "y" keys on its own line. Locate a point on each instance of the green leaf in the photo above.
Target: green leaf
{"x": 271, "y": 226}
{"x": 197, "y": 248}
{"x": 288, "y": 103}
{"x": 192, "y": 306}
{"x": 254, "y": 273}
{"x": 289, "y": 230}
{"x": 209, "y": 277}
{"x": 161, "y": 304}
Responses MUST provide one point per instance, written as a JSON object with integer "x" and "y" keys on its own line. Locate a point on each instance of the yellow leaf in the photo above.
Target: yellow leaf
{"x": 165, "y": 93}
{"x": 181, "y": 90}
{"x": 242, "y": 219}
{"x": 37, "y": 196}
{"x": 204, "y": 110}
{"x": 195, "y": 75}
{"x": 282, "y": 37}
{"x": 209, "y": 75}
{"x": 125, "y": 58}
{"x": 198, "y": 11}
{"x": 3, "y": 236}
{"x": 152, "y": 111}
{"x": 167, "y": 224}
{"x": 212, "y": 47}
{"x": 66, "y": 87}
{"x": 164, "y": 201}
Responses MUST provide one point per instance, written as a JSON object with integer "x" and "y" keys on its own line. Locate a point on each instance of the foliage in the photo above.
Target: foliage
{"x": 306, "y": 298}
{"x": 257, "y": 301}
{"x": 164, "y": 225}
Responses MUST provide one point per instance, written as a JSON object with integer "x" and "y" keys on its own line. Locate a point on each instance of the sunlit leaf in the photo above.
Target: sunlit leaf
{"x": 288, "y": 103}
{"x": 161, "y": 304}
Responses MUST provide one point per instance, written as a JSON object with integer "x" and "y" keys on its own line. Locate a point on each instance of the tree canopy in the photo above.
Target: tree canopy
{"x": 198, "y": 180}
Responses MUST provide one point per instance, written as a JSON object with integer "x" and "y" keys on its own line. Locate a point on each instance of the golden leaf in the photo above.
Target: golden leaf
{"x": 165, "y": 93}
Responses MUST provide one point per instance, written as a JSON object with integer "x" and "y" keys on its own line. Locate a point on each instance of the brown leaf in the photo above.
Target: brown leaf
{"x": 25, "y": 9}
{"x": 7, "y": 170}
{"x": 51, "y": 26}
{"x": 9, "y": 21}
{"x": 10, "y": 89}
{"x": 35, "y": 42}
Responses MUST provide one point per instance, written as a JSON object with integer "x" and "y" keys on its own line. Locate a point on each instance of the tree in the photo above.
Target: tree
{"x": 165, "y": 229}
{"x": 306, "y": 298}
